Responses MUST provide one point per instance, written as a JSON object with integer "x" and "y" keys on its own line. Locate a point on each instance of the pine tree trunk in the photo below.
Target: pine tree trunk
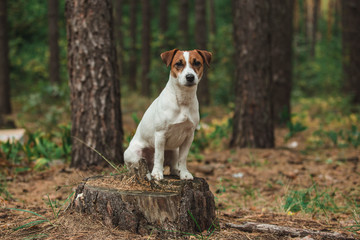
{"x": 281, "y": 57}
{"x": 201, "y": 42}
{"x": 296, "y": 16}
{"x": 118, "y": 33}
{"x": 253, "y": 117}
{"x": 309, "y": 7}
{"x": 5, "y": 105}
{"x": 54, "y": 64}
{"x": 212, "y": 17}
{"x": 94, "y": 85}
{"x": 184, "y": 24}
{"x": 351, "y": 48}
{"x": 145, "y": 55}
{"x": 133, "y": 59}
{"x": 330, "y": 19}
{"x": 164, "y": 23}
{"x": 314, "y": 27}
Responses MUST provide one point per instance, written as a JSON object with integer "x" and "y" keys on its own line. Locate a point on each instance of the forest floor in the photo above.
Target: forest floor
{"x": 292, "y": 185}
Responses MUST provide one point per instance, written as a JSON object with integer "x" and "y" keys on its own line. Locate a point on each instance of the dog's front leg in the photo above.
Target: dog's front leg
{"x": 183, "y": 153}
{"x": 158, "y": 169}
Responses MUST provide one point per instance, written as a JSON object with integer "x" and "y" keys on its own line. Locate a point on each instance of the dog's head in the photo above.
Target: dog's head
{"x": 187, "y": 66}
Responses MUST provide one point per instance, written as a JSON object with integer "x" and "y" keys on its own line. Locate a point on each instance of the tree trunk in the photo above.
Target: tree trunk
{"x": 133, "y": 59}
{"x": 5, "y": 105}
{"x": 118, "y": 33}
{"x": 351, "y": 48}
{"x": 94, "y": 85}
{"x": 54, "y": 64}
{"x": 281, "y": 57}
{"x": 143, "y": 207}
{"x": 296, "y": 16}
{"x": 253, "y": 117}
{"x": 212, "y": 17}
{"x": 309, "y": 8}
{"x": 184, "y": 24}
{"x": 145, "y": 55}
{"x": 164, "y": 23}
{"x": 201, "y": 42}
{"x": 330, "y": 19}
{"x": 314, "y": 27}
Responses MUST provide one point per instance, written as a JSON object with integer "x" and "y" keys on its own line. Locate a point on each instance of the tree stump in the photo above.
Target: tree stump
{"x": 131, "y": 203}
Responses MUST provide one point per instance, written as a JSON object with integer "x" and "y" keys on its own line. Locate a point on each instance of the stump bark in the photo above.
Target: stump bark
{"x": 129, "y": 203}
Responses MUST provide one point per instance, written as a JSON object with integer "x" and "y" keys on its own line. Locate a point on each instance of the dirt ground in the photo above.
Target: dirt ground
{"x": 249, "y": 186}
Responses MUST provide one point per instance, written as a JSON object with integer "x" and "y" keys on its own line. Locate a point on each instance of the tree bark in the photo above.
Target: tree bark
{"x": 309, "y": 8}
{"x": 145, "y": 55}
{"x": 281, "y": 57}
{"x": 253, "y": 117}
{"x": 164, "y": 23}
{"x": 314, "y": 27}
{"x": 330, "y": 19}
{"x": 201, "y": 42}
{"x": 54, "y": 64}
{"x": 118, "y": 33}
{"x": 148, "y": 207}
{"x": 296, "y": 16}
{"x": 351, "y": 48}
{"x": 212, "y": 17}
{"x": 5, "y": 104}
{"x": 184, "y": 24}
{"x": 133, "y": 59}
{"x": 94, "y": 85}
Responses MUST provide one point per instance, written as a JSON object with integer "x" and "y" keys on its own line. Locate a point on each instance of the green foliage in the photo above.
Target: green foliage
{"x": 294, "y": 128}
{"x": 310, "y": 200}
{"x": 221, "y": 73}
{"x": 321, "y": 75}
{"x": 339, "y": 138}
{"x": 44, "y": 99}
{"x": 39, "y": 150}
{"x": 28, "y": 43}
{"x": 355, "y": 228}
{"x": 135, "y": 118}
{"x": 211, "y": 136}
{"x": 3, "y": 188}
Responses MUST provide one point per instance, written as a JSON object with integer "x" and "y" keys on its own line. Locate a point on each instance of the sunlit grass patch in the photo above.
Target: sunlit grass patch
{"x": 311, "y": 201}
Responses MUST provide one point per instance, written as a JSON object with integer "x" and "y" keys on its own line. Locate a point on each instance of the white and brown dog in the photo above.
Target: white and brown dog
{"x": 166, "y": 131}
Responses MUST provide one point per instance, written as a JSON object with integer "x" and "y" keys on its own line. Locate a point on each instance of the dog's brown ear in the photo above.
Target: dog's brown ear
{"x": 168, "y": 56}
{"x": 206, "y": 56}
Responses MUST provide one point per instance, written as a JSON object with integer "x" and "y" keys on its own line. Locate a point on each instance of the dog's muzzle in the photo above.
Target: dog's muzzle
{"x": 190, "y": 80}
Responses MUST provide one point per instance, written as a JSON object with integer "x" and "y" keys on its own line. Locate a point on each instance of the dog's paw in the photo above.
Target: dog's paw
{"x": 157, "y": 175}
{"x": 186, "y": 175}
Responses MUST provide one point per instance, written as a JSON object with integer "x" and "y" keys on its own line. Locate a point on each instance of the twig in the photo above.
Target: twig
{"x": 282, "y": 230}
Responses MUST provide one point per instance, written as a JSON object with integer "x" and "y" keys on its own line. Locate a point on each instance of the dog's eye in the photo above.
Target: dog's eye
{"x": 179, "y": 64}
{"x": 196, "y": 63}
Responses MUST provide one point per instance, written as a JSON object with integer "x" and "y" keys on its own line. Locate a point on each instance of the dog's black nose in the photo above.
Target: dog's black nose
{"x": 190, "y": 77}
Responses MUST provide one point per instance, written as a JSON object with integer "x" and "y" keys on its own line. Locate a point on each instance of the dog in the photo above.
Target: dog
{"x": 166, "y": 131}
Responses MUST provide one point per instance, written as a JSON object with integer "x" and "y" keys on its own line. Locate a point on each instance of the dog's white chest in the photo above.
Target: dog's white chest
{"x": 177, "y": 131}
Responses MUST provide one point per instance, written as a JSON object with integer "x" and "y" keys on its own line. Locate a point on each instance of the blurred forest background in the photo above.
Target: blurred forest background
{"x": 300, "y": 67}
{"x": 317, "y": 49}
{"x": 313, "y": 54}
{"x": 312, "y": 63}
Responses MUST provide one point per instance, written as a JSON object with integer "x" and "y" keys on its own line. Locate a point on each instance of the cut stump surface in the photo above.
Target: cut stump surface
{"x": 169, "y": 205}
